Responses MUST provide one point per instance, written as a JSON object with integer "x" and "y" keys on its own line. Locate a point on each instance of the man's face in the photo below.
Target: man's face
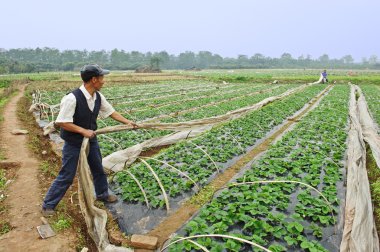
{"x": 97, "y": 82}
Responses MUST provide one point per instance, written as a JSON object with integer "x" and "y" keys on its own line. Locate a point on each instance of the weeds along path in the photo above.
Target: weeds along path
{"x": 24, "y": 195}
{"x": 179, "y": 218}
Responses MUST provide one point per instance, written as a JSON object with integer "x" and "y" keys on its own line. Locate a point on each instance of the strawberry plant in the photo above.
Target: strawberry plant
{"x": 288, "y": 214}
{"x": 221, "y": 148}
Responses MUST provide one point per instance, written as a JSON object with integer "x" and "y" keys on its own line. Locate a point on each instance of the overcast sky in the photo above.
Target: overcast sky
{"x": 229, "y": 28}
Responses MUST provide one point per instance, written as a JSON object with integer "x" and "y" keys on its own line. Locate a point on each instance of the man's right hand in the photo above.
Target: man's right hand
{"x": 89, "y": 133}
{"x": 133, "y": 124}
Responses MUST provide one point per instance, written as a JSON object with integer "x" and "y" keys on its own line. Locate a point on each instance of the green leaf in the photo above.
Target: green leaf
{"x": 277, "y": 248}
{"x": 324, "y": 219}
{"x": 299, "y": 227}
{"x": 290, "y": 240}
{"x": 305, "y": 244}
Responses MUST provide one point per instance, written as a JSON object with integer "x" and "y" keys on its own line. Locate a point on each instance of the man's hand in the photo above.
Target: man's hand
{"x": 89, "y": 133}
{"x": 133, "y": 124}
{"x": 69, "y": 126}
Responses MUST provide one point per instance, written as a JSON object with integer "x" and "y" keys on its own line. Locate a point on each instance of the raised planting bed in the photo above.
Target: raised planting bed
{"x": 227, "y": 106}
{"x": 130, "y": 93}
{"x": 200, "y": 159}
{"x": 122, "y": 140}
{"x": 260, "y": 207}
{"x": 172, "y": 109}
{"x": 136, "y": 105}
{"x": 117, "y": 141}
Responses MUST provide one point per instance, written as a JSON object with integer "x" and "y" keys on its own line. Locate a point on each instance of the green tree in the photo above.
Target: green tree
{"x": 242, "y": 61}
{"x": 347, "y": 59}
{"x": 324, "y": 58}
{"x": 372, "y": 60}
{"x": 155, "y": 62}
{"x": 186, "y": 60}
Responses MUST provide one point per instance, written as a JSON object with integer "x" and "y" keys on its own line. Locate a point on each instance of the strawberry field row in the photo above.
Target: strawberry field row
{"x": 158, "y": 100}
{"x": 117, "y": 94}
{"x": 284, "y": 216}
{"x": 126, "y": 139}
{"x": 223, "y": 143}
{"x": 220, "y": 109}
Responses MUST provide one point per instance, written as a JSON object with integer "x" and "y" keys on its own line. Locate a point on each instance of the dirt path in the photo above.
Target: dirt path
{"x": 24, "y": 195}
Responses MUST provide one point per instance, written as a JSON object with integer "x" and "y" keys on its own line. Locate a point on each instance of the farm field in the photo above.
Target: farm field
{"x": 286, "y": 216}
{"x": 203, "y": 157}
{"x": 372, "y": 95}
{"x": 269, "y": 178}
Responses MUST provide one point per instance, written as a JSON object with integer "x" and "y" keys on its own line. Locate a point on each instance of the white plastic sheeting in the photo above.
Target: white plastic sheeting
{"x": 96, "y": 218}
{"x": 359, "y": 234}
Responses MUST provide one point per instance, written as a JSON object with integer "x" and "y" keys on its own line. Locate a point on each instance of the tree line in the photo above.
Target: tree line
{"x": 25, "y": 60}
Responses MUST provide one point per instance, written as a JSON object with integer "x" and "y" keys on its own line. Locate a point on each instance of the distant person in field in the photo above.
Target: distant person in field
{"x": 324, "y": 77}
{"x": 77, "y": 118}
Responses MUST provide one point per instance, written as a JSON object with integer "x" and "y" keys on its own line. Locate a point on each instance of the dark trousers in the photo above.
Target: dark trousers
{"x": 70, "y": 156}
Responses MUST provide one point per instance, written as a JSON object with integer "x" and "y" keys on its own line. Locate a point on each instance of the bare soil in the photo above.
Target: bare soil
{"x": 24, "y": 197}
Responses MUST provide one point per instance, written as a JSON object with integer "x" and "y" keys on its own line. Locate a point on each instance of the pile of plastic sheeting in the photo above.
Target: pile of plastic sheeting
{"x": 96, "y": 218}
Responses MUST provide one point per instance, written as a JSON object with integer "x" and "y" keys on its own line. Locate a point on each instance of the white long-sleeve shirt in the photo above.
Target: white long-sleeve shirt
{"x": 68, "y": 104}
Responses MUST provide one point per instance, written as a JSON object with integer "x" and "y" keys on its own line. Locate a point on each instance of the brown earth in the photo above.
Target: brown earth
{"x": 24, "y": 197}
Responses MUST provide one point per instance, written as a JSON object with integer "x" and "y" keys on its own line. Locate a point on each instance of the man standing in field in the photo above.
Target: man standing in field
{"x": 77, "y": 118}
{"x": 324, "y": 77}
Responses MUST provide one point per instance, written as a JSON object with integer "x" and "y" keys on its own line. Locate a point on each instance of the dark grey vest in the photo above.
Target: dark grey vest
{"x": 83, "y": 117}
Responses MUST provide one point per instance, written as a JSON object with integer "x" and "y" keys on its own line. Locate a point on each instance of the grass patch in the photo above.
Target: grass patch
{"x": 203, "y": 197}
{"x": 47, "y": 169}
{"x": 34, "y": 144}
{"x": 61, "y": 223}
{"x": 81, "y": 240}
{"x": 3, "y": 101}
{"x": 374, "y": 180}
{"x": 3, "y": 180}
{"x": 5, "y": 227}
{"x": 4, "y": 83}
{"x": 61, "y": 220}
